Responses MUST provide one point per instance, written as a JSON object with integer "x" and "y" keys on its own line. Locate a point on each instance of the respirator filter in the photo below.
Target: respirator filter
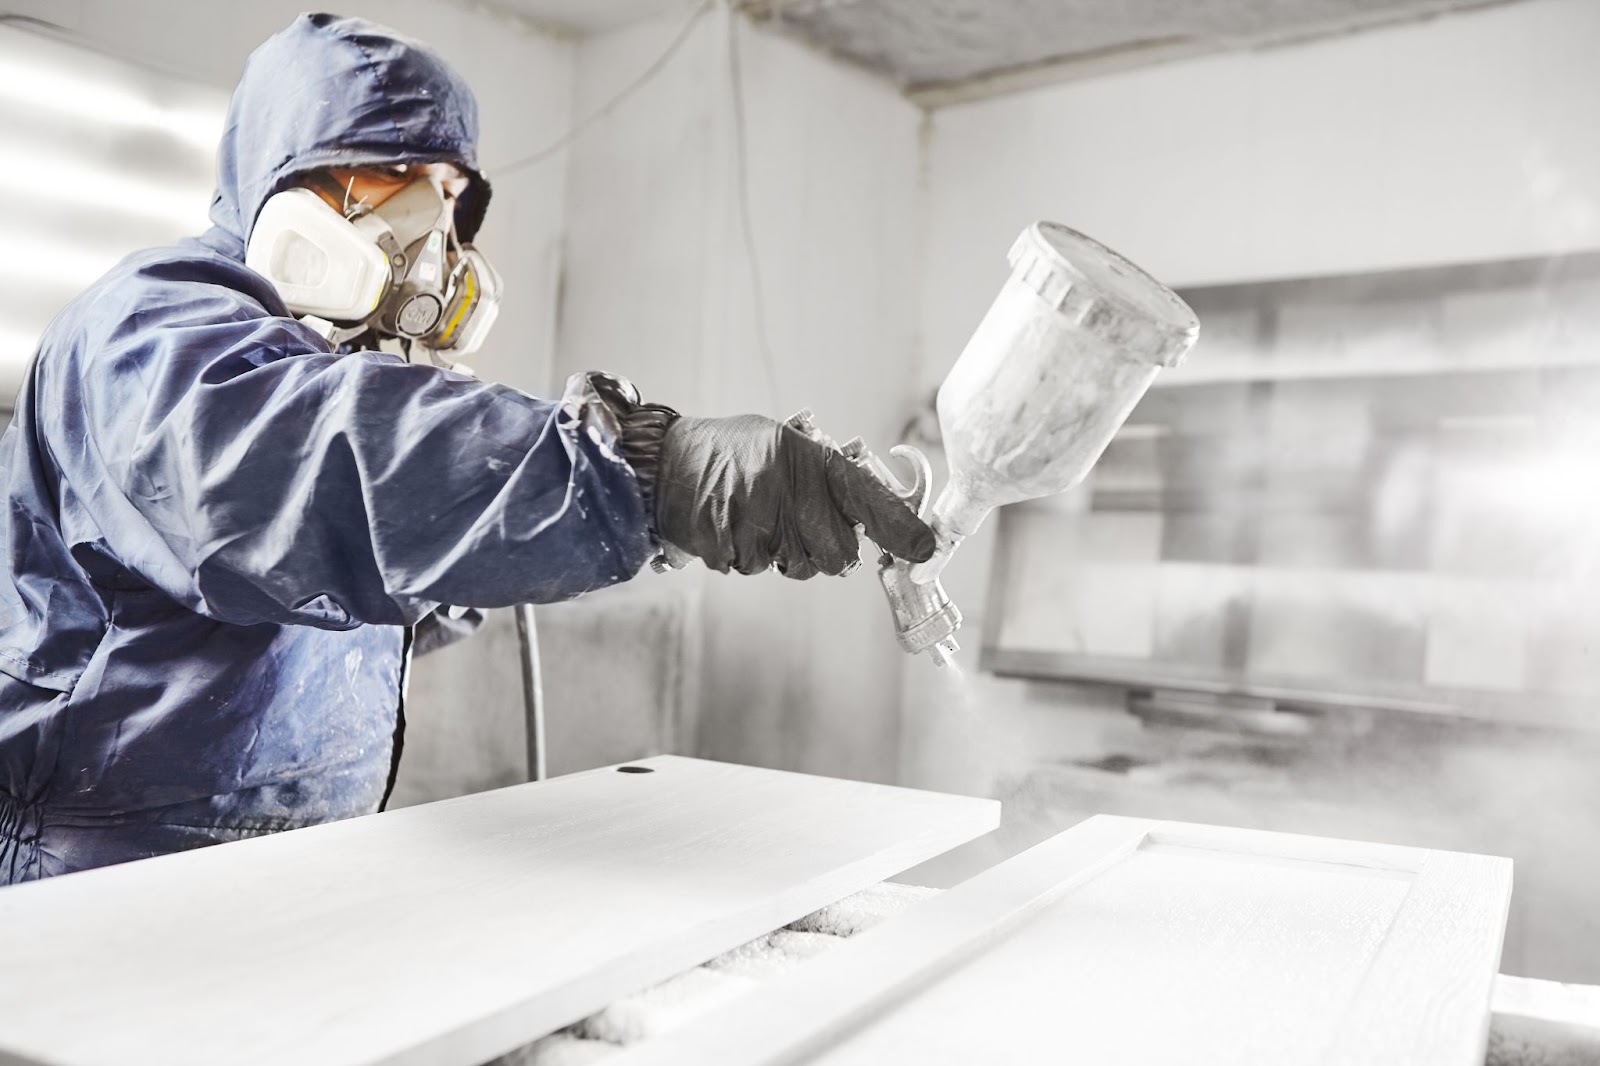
{"x": 472, "y": 305}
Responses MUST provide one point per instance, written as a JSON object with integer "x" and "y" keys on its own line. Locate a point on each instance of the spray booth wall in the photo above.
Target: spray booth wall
{"x": 1357, "y": 529}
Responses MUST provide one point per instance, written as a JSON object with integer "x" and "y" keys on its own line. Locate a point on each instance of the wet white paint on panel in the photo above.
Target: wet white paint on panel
{"x": 1170, "y": 952}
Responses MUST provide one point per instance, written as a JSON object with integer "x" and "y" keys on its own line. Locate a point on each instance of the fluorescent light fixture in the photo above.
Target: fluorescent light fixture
{"x": 55, "y": 89}
{"x": 35, "y": 259}
{"x": 16, "y": 344}
{"x": 16, "y": 349}
{"x": 73, "y": 181}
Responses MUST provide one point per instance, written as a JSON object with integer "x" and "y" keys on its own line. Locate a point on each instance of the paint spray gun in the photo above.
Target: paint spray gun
{"x": 1055, "y": 367}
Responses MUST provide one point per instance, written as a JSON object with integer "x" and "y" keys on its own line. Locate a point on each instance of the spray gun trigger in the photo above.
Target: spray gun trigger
{"x": 914, "y": 495}
{"x": 917, "y": 497}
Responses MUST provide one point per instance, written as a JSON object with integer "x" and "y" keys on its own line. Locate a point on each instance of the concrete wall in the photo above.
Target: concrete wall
{"x": 657, "y": 287}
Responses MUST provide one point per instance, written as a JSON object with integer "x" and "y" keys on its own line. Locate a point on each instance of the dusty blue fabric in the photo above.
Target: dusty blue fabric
{"x": 217, "y": 532}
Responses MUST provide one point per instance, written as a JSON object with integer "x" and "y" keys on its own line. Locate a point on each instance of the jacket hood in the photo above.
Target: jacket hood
{"x": 341, "y": 92}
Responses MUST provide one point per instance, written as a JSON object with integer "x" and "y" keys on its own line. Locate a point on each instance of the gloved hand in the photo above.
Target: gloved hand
{"x": 747, "y": 492}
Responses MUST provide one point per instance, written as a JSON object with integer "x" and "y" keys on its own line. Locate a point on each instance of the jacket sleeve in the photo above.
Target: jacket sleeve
{"x": 225, "y": 456}
{"x": 445, "y": 626}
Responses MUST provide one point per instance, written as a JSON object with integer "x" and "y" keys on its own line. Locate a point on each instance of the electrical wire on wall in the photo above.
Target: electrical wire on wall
{"x": 746, "y": 226}
{"x": 740, "y": 124}
{"x": 587, "y": 122}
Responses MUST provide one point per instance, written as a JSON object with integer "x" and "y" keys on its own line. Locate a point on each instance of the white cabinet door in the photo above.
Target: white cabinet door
{"x": 1140, "y": 942}
{"x": 446, "y": 933}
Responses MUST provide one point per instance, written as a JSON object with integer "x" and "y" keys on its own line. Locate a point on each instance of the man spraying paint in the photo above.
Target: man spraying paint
{"x": 228, "y": 515}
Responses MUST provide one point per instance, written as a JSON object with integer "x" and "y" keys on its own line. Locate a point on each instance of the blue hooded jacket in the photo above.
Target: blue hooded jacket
{"x": 217, "y": 532}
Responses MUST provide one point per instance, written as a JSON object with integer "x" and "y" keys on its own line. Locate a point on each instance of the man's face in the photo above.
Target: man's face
{"x": 373, "y": 185}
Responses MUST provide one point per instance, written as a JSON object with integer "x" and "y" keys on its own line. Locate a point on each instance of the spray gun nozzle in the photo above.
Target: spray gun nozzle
{"x": 925, "y": 619}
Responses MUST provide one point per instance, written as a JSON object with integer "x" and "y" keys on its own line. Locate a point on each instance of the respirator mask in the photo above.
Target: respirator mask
{"x": 396, "y": 269}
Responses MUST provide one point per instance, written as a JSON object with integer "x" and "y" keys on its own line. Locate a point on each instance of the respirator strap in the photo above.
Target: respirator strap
{"x": 334, "y": 334}
{"x": 340, "y": 194}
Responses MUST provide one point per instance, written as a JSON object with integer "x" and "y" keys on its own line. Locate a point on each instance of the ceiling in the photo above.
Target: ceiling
{"x": 933, "y": 48}
{"x": 582, "y": 17}
{"x": 942, "y": 50}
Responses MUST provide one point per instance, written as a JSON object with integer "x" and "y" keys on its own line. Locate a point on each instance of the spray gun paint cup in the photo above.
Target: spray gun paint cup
{"x": 1069, "y": 346}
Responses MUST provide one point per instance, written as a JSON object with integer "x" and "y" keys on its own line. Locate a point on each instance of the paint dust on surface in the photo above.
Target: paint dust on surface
{"x": 676, "y": 1002}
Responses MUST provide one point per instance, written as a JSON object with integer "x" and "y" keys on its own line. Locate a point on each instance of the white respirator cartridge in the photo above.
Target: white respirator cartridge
{"x": 321, "y": 263}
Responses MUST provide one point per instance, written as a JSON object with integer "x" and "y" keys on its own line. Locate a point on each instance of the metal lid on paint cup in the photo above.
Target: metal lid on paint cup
{"x": 1083, "y": 279}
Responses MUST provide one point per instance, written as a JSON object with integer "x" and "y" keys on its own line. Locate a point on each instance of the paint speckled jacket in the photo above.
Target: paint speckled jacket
{"x": 217, "y": 532}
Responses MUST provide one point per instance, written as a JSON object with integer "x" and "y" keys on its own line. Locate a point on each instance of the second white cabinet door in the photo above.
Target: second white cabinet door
{"x": 1129, "y": 941}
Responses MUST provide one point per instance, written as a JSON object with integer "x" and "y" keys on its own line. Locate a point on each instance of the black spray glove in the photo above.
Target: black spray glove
{"x": 745, "y": 493}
